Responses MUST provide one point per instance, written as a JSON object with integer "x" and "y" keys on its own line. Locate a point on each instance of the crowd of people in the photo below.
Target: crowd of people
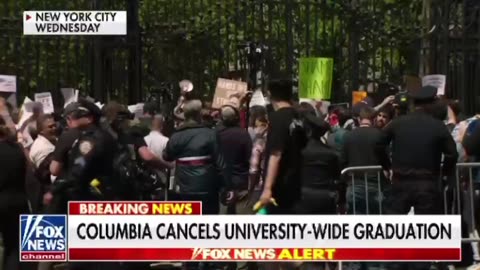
{"x": 287, "y": 157}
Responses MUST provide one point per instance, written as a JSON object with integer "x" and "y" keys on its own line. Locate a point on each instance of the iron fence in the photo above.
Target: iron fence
{"x": 168, "y": 40}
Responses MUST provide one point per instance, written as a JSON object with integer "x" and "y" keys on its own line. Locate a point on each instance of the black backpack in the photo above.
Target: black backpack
{"x": 124, "y": 185}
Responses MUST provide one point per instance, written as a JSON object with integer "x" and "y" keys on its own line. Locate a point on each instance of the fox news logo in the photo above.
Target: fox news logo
{"x": 43, "y": 238}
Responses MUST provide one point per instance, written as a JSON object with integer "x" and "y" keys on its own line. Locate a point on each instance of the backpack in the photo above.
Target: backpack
{"x": 125, "y": 174}
{"x": 298, "y": 133}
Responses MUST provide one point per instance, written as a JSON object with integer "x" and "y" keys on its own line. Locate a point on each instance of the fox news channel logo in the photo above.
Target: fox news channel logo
{"x": 43, "y": 238}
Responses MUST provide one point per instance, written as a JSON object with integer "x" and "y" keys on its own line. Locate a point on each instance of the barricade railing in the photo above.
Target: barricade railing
{"x": 367, "y": 171}
{"x": 463, "y": 188}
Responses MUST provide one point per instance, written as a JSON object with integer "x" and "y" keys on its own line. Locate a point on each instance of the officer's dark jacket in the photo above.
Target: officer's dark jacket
{"x": 200, "y": 167}
{"x": 418, "y": 142}
{"x": 92, "y": 158}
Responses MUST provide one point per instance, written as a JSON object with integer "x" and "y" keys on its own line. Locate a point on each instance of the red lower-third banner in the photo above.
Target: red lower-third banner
{"x": 264, "y": 254}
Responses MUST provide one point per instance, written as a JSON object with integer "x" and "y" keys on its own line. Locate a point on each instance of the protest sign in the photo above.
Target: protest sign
{"x": 136, "y": 109}
{"x": 228, "y": 92}
{"x": 315, "y": 78}
{"x": 69, "y": 95}
{"x": 26, "y": 111}
{"x": 438, "y": 81}
{"x": 46, "y": 100}
{"x": 258, "y": 99}
{"x": 8, "y": 83}
{"x": 412, "y": 83}
{"x": 358, "y": 96}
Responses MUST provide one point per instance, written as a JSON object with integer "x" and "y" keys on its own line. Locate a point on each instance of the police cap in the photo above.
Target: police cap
{"x": 425, "y": 94}
{"x": 82, "y": 108}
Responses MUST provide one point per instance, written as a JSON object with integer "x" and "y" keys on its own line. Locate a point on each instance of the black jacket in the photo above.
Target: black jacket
{"x": 418, "y": 142}
{"x": 200, "y": 166}
{"x": 236, "y": 146}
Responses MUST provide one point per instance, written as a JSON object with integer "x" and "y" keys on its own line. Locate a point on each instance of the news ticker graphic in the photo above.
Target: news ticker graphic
{"x": 74, "y": 22}
{"x": 176, "y": 231}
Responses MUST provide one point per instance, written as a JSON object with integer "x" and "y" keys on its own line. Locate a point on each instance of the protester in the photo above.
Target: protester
{"x": 44, "y": 144}
{"x": 156, "y": 141}
{"x": 200, "y": 171}
{"x": 384, "y": 116}
{"x": 320, "y": 172}
{"x": 285, "y": 142}
{"x": 13, "y": 197}
{"x": 358, "y": 151}
{"x": 236, "y": 147}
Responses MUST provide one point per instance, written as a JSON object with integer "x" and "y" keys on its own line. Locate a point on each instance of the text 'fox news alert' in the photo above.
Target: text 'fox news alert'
{"x": 43, "y": 238}
{"x": 74, "y": 22}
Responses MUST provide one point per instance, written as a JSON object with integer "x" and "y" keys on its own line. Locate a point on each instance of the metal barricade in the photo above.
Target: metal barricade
{"x": 464, "y": 175}
{"x": 352, "y": 171}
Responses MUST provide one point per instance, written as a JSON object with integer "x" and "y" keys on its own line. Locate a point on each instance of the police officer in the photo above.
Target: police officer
{"x": 418, "y": 141}
{"x": 91, "y": 155}
{"x": 132, "y": 137}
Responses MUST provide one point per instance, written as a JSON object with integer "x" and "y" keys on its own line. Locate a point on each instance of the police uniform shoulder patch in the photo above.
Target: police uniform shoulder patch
{"x": 85, "y": 147}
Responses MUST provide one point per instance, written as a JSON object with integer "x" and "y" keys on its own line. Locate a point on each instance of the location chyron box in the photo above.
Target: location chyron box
{"x": 43, "y": 238}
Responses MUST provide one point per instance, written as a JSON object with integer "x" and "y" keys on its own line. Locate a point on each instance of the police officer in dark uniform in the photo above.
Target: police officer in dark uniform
{"x": 418, "y": 141}
{"x": 90, "y": 156}
{"x": 132, "y": 137}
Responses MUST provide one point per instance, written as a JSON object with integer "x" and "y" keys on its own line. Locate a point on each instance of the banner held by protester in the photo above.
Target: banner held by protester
{"x": 438, "y": 81}
{"x": 315, "y": 78}
{"x": 8, "y": 83}
{"x": 358, "y": 96}
{"x": 228, "y": 92}
{"x": 46, "y": 100}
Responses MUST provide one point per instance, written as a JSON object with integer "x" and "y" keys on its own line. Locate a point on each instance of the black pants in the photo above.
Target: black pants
{"x": 10, "y": 231}
{"x": 316, "y": 202}
{"x": 426, "y": 198}
{"x": 210, "y": 206}
{"x": 424, "y": 195}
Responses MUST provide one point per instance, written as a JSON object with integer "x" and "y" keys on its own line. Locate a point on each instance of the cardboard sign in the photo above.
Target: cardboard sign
{"x": 228, "y": 92}
{"x": 46, "y": 100}
{"x": 412, "y": 83}
{"x": 8, "y": 83}
{"x": 438, "y": 81}
{"x": 358, "y": 96}
{"x": 315, "y": 78}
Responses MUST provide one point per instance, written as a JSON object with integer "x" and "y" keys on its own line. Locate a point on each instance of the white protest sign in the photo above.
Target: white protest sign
{"x": 46, "y": 100}
{"x": 258, "y": 99}
{"x": 99, "y": 105}
{"x": 69, "y": 95}
{"x": 26, "y": 111}
{"x": 437, "y": 80}
{"x": 136, "y": 109}
{"x": 8, "y": 83}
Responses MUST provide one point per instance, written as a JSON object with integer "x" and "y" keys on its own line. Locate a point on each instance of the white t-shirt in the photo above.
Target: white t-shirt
{"x": 40, "y": 149}
{"x": 156, "y": 143}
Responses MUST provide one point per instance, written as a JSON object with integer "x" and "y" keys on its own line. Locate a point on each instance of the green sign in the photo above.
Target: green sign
{"x": 315, "y": 78}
